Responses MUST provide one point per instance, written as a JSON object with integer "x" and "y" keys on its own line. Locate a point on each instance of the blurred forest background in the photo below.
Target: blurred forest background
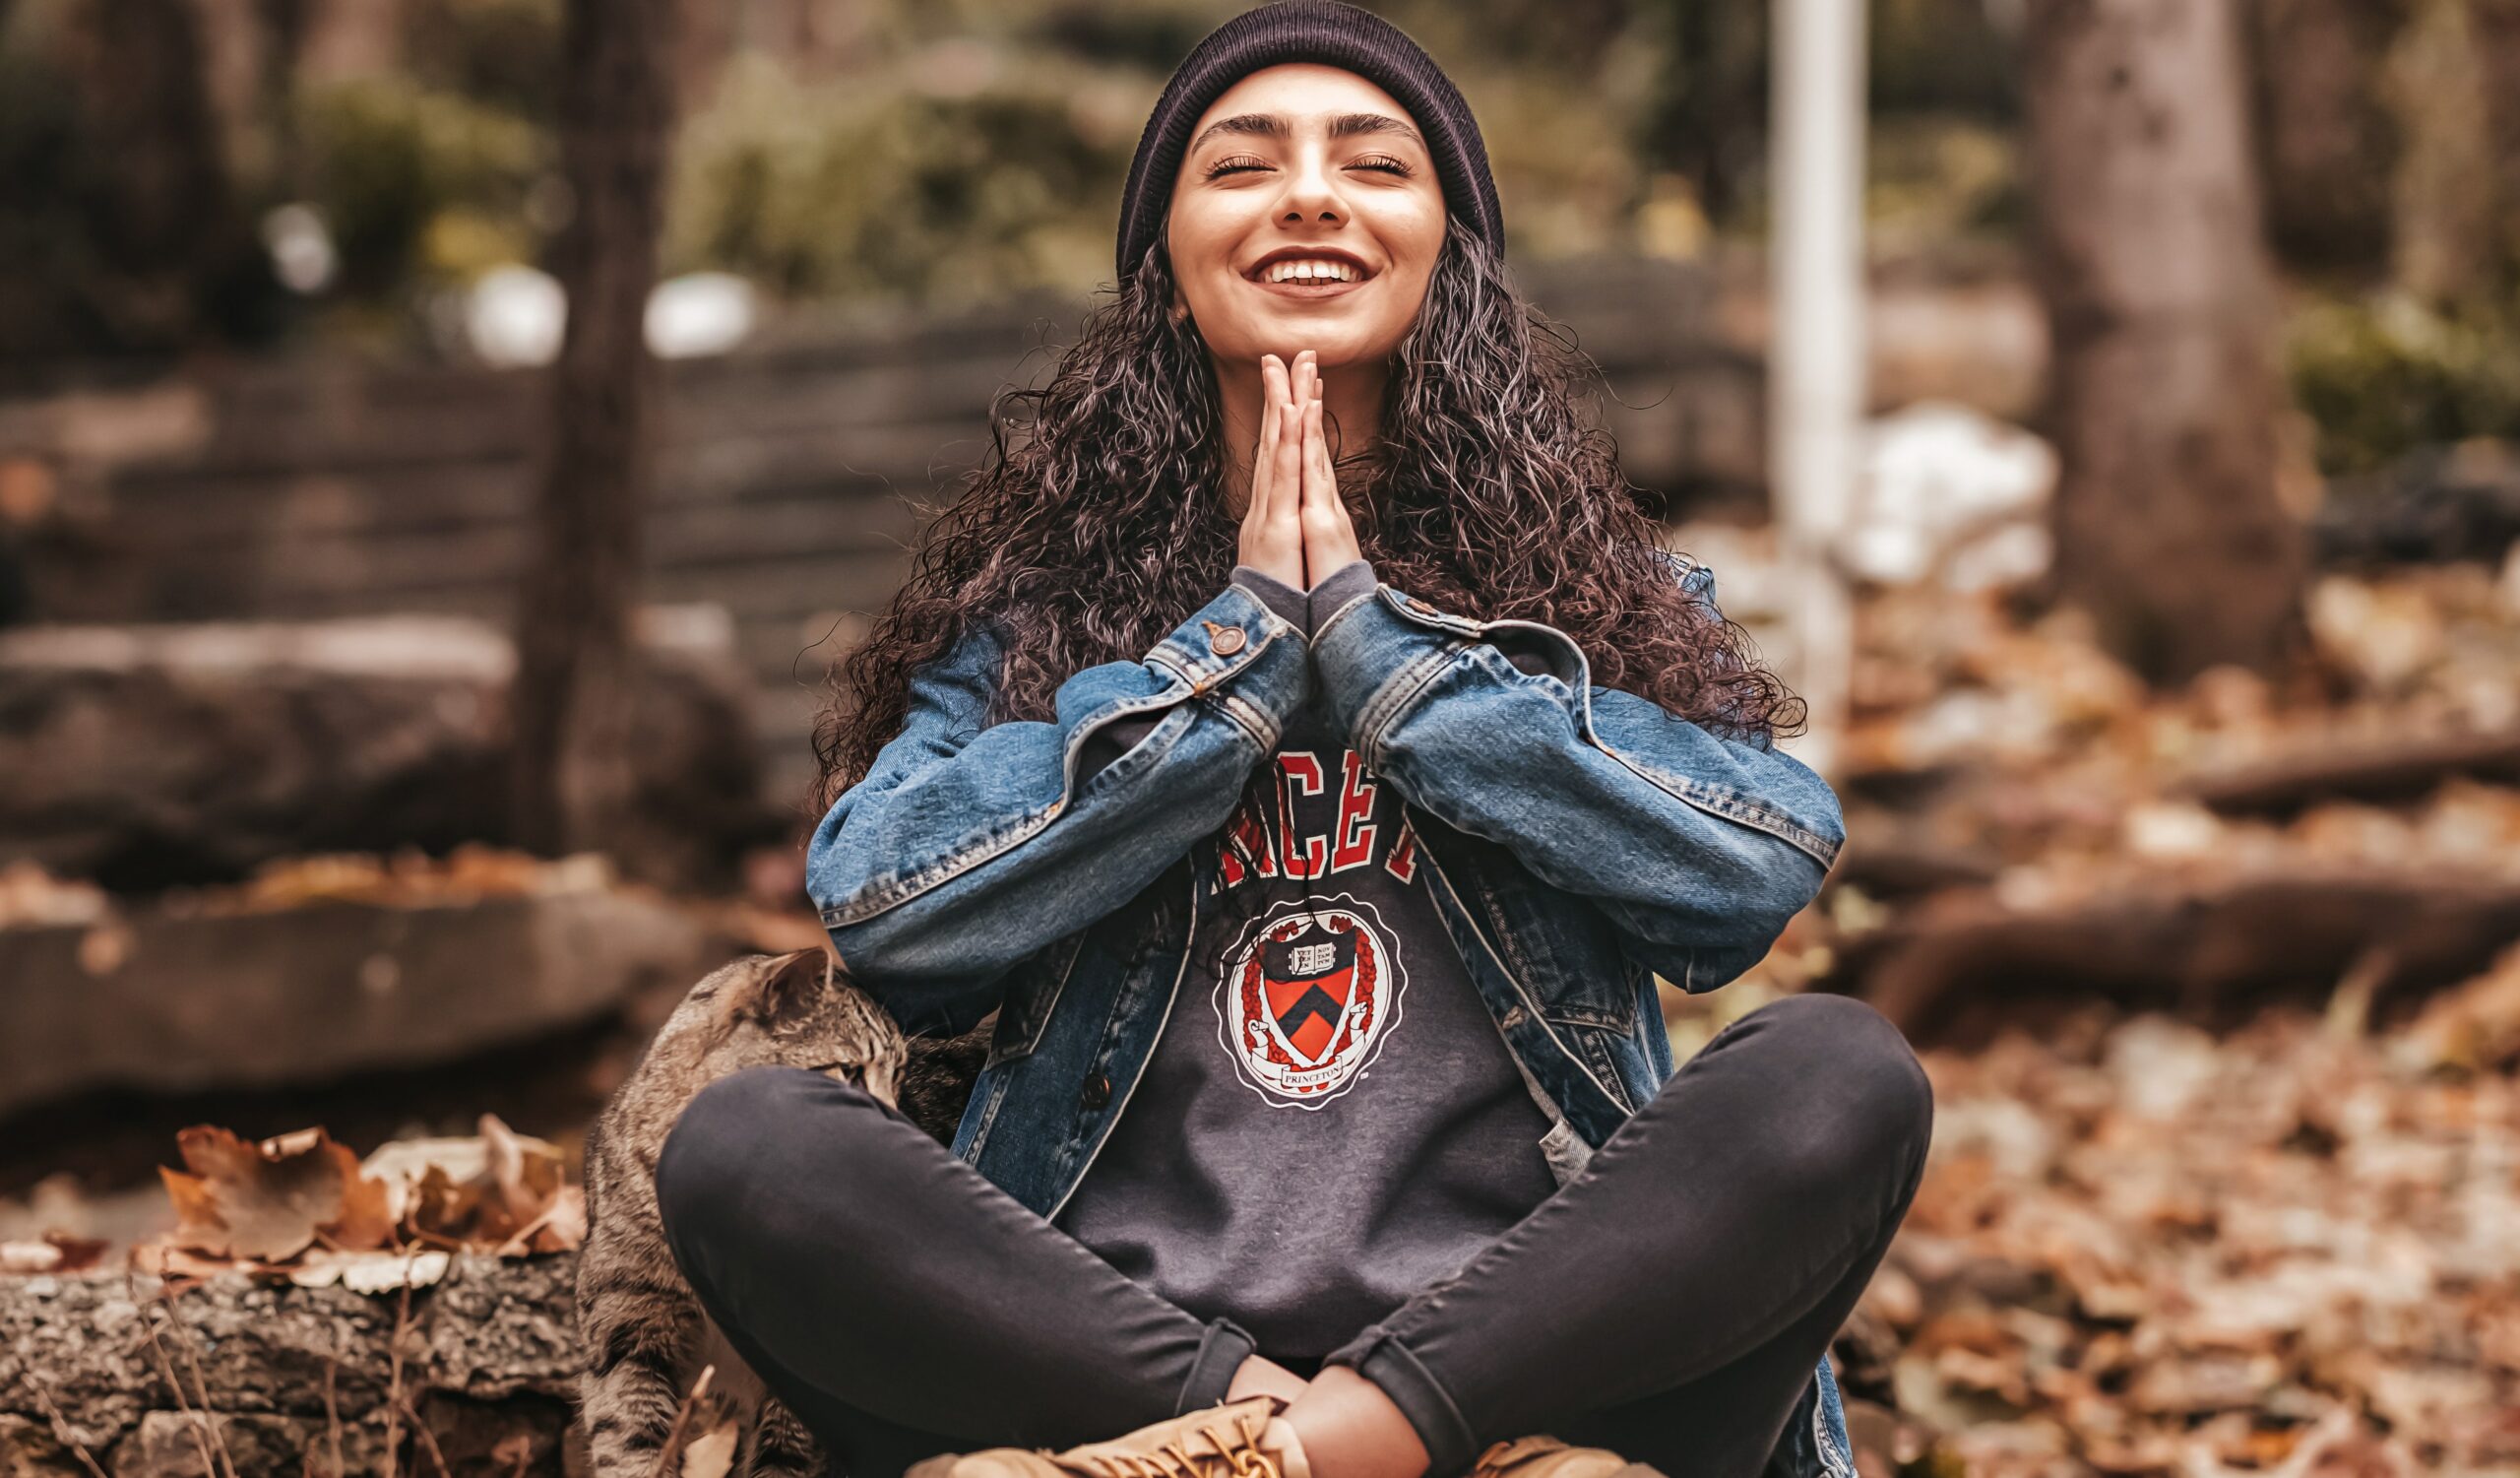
{"x": 404, "y": 691}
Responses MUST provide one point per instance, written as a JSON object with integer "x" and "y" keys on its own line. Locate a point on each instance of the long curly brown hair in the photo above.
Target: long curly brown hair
{"x": 1093, "y": 535}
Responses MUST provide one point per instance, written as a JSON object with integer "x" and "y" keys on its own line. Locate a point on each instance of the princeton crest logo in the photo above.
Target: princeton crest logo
{"x": 1308, "y": 999}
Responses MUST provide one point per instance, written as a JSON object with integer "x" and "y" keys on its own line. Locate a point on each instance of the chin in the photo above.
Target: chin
{"x": 1327, "y": 351}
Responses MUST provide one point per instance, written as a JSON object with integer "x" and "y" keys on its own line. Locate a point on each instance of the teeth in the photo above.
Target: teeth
{"x": 1296, "y": 271}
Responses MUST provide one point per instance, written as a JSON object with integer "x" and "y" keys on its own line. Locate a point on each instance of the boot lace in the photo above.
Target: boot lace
{"x": 1236, "y": 1456}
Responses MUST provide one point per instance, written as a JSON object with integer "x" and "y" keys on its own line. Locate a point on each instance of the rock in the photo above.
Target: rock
{"x": 1953, "y": 496}
{"x": 145, "y": 756}
{"x": 490, "y": 1364}
{"x": 160, "y": 999}
{"x": 2452, "y": 501}
{"x": 2212, "y": 952}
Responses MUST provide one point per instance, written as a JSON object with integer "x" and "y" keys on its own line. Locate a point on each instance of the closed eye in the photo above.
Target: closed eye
{"x": 1237, "y": 167}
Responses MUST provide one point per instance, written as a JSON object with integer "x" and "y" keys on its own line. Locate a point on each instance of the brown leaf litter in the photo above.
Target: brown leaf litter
{"x": 303, "y": 1206}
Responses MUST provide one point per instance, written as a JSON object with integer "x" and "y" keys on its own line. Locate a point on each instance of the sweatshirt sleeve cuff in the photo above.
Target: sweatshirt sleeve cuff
{"x": 1276, "y": 594}
{"x": 1336, "y": 588}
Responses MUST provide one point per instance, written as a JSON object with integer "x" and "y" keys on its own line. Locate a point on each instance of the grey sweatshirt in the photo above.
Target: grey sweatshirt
{"x": 1330, "y": 1119}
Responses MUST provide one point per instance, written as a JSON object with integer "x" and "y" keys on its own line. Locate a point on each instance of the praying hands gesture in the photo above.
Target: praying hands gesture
{"x": 1295, "y": 528}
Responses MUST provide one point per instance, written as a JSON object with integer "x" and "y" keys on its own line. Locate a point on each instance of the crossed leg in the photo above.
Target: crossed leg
{"x": 1671, "y": 1302}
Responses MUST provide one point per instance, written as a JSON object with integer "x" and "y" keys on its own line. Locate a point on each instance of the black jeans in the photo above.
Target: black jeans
{"x": 1669, "y": 1303}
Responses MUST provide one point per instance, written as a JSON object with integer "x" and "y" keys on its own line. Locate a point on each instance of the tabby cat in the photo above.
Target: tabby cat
{"x": 645, "y": 1334}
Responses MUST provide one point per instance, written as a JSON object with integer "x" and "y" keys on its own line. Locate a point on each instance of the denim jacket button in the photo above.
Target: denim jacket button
{"x": 1226, "y": 641}
{"x": 1097, "y": 1091}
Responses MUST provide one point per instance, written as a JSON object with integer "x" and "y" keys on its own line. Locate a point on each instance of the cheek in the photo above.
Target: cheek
{"x": 1416, "y": 247}
{"x": 1420, "y": 238}
{"x": 1202, "y": 233}
{"x": 1201, "y": 261}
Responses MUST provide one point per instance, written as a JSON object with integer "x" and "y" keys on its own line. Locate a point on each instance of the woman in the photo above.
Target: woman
{"x": 1301, "y": 746}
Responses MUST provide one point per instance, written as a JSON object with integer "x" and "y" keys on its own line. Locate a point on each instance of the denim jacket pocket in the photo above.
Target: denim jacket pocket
{"x": 1594, "y": 1043}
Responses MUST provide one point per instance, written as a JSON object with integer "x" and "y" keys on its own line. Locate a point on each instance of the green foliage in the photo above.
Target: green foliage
{"x": 887, "y": 191}
{"x": 501, "y": 54}
{"x": 1146, "y": 36}
{"x": 1933, "y": 179}
{"x": 415, "y": 181}
{"x": 2383, "y": 376}
{"x": 1941, "y": 56}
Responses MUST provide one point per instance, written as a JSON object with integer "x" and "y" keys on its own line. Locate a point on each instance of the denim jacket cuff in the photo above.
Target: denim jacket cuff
{"x": 1244, "y": 657}
{"x": 1379, "y": 652}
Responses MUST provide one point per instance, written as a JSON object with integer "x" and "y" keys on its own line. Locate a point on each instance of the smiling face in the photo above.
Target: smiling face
{"x": 1307, "y": 214}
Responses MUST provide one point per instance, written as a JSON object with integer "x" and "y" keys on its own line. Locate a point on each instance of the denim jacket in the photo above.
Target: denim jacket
{"x": 1581, "y": 841}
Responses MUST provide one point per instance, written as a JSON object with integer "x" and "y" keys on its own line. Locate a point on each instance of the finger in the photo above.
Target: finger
{"x": 1265, "y": 452}
{"x": 1320, "y": 494}
{"x": 1308, "y": 429}
{"x": 1338, "y": 531}
{"x": 1320, "y": 556}
{"x": 1288, "y": 470}
{"x": 1305, "y": 389}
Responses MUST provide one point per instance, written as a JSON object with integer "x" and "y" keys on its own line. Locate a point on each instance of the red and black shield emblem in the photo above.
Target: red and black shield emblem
{"x": 1307, "y": 1003}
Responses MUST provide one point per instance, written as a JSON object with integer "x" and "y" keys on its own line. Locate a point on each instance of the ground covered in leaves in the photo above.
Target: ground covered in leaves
{"x": 2141, "y": 1249}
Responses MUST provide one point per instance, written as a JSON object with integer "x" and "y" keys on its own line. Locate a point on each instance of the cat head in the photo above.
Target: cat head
{"x": 795, "y": 1010}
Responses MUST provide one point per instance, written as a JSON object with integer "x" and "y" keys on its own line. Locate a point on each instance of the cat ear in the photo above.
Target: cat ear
{"x": 792, "y": 981}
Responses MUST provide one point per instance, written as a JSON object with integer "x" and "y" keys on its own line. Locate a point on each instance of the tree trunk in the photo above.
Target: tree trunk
{"x": 2444, "y": 184}
{"x": 2326, "y": 139}
{"x": 573, "y": 691}
{"x": 2496, "y": 25}
{"x": 2160, "y": 312}
{"x": 138, "y": 237}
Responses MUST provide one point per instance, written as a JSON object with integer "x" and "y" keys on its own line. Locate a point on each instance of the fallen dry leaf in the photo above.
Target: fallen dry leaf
{"x": 270, "y": 1200}
{"x": 497, "y": 1192}
{"x": 183, "y": 1264}
{"x": 405, "y": 879}
{"x": 54, "y": 1253}
{"x": 29, "y": 895}
{"x": 378, "y": 1270}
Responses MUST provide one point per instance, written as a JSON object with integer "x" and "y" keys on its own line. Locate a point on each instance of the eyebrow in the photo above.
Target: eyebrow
{"x": 1275, "y": 126}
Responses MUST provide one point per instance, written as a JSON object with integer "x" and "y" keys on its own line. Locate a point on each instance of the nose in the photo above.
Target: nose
{"x": 1312, "y": 187}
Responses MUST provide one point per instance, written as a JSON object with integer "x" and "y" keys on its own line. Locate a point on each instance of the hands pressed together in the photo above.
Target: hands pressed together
{"x": 1295, "y": 528}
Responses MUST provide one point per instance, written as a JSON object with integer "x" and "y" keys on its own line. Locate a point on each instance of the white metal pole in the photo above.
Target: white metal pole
{"x": 1816, "y": 362}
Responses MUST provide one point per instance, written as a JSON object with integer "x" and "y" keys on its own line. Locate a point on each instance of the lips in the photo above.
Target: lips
{"x": 1301, "y": 288}
{"x": 1257, "y": 273}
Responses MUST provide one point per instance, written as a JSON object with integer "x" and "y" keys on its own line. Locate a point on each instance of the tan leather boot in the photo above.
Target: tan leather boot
{"x": 1547, "y": 1457}
{"x": 1245, "y": 1439}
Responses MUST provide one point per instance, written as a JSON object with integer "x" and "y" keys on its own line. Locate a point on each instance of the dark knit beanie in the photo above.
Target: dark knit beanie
{"x": 1338, "y": 35}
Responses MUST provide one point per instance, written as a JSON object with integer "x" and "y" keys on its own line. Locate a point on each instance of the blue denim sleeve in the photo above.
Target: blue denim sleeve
{"x": 967, "y": 848}
{"x": 1697, "y": 848}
